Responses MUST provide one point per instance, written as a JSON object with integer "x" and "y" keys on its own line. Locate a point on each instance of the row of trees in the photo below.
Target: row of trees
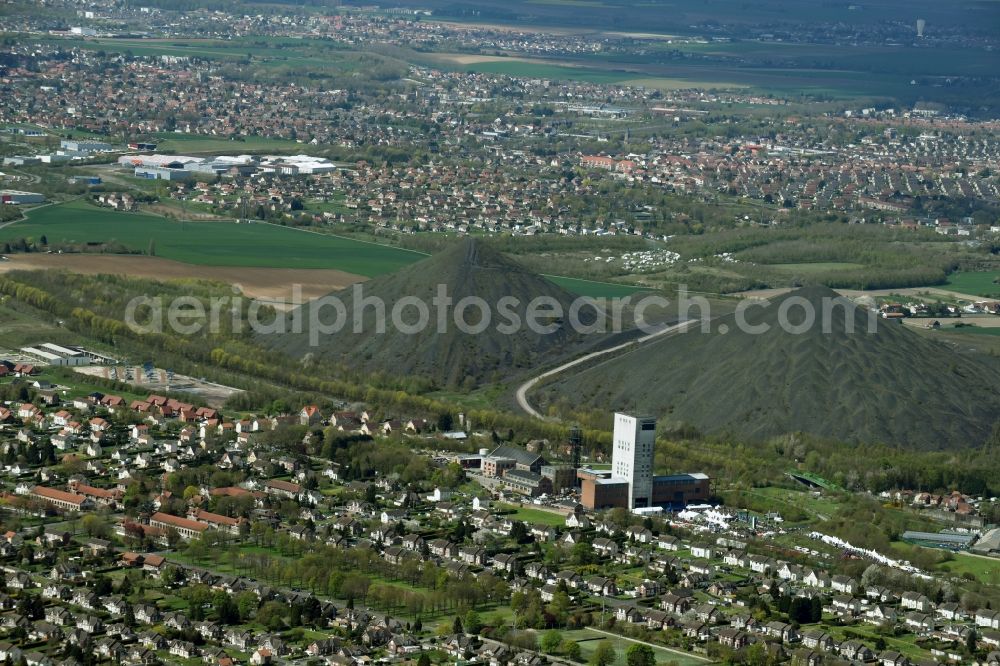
{"x": 360, "y": 574}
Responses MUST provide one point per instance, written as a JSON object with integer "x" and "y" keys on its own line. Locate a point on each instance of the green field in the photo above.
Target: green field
{"x": 18, "y": 329}
{"x": 839, "y": 84}
{"x": 980, "y": 283}
{"x": 231, "y": 244}
{"x": 535, "y": 516}
{"x": 210, "y": 243}
{"x": 593, "y": 288}
{"x": 977, "y": 330}
{"x": 588, "y": 640}
{"x": 817, "y": 267}
{"x": 566, "y": 72}
{"x": 539, "y": 70}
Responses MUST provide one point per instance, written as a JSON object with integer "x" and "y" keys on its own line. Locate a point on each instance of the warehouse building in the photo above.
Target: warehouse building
{"x": 948, "y": 540}
{"x": 293, "y": 165}
{"x": 162, "y": 173}
{"x": 21, "y": 160}
{"x": 52, "y": 354}
{"x": 170, "y": 161}
{"x": 16, "y": 197}
{"x": 85, "y": 146}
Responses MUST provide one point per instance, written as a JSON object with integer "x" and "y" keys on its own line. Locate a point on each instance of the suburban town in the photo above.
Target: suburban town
{"x": 163, "y": 514}
{"x": 679, "y": 491}
{"x": 511, "y": 141}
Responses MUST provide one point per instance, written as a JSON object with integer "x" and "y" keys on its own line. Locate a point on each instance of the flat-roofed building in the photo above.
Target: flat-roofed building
{"x": 82, "y": 146}
{"x": 496, "y": 465}
{"x": 604, "y": 493}
{"x": 17, "y": 197}
{"x": 678, "y": 490}
{"x": 162, "y": 173}
{"x": 939, "y": 539}
{"x": 53, "y": 354}
{"x": 561, "y": 476}
{"x": 600, "y": 489}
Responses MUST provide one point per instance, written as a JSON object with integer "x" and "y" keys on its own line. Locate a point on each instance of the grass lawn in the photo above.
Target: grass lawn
{"x": 210, "y": 243}
{"x": 532, "y": 516}
{"x": 784, "y": 499}
{"x": 986, "y": 570}
{"x": 905, "y": 644}
{"x": 980, "y": 283}
{"x": 588, "y": 640}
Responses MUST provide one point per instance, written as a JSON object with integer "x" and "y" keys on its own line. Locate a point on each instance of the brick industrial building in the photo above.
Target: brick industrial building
{"x": 630, "y": 483}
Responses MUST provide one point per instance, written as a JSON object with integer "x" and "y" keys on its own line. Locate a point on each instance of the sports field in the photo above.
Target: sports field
{"x": 198, "y": 143}
{"x": 533, "y": 516}
{"x": 209, "y": 243}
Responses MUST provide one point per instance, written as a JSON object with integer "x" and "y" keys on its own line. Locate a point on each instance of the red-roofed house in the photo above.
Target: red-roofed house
{"x": 310, "y": 415}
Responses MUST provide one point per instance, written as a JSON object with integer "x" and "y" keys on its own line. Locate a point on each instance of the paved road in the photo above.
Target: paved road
{"x": 32, "y": 178}
{"x": 522, "y": 390}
